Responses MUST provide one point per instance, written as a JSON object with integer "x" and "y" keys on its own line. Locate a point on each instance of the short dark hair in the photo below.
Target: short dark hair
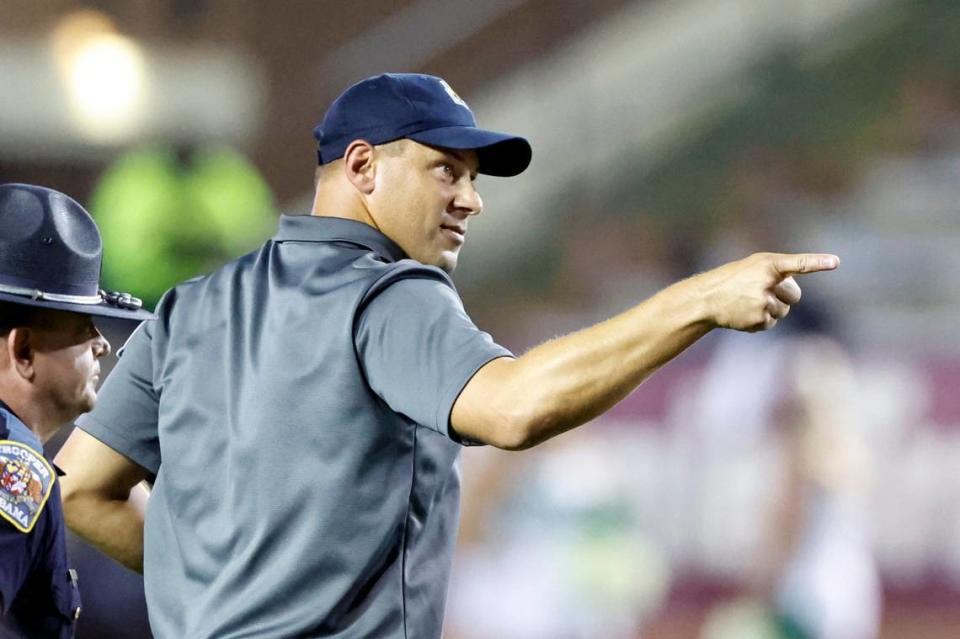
{"x": 13, "y": 315}
{"x": 394, "y": 148}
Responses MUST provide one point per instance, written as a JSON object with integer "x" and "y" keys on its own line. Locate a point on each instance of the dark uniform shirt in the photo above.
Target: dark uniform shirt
{"x": 38, "y": 591}
{"x": 294, "y": 406}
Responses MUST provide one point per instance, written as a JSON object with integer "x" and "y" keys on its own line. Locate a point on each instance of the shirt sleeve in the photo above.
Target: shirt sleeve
{"x": 15, "y": 561}
{"x": 125, "y": 415}
{"x": 418, "y": 348}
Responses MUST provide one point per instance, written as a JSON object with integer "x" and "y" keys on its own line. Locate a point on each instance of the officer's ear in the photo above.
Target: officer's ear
{"x": 359, "y": 165}
{"x": 20, "y": 351}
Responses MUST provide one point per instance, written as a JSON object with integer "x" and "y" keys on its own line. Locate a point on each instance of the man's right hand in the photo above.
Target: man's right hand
{"x": 569, "y": 380}
{"x": 752, "y": 294}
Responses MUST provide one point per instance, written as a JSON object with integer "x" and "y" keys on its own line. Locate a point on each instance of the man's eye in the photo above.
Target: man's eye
{"x": 447, "y": 170}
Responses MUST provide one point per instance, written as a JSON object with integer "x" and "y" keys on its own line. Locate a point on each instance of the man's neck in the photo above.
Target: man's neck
{"x": 337, "y": 200}
{"x": 43, "y": 425}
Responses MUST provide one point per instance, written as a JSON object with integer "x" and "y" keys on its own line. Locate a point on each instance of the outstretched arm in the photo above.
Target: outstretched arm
{"x": 103, "y": 498}
{"x": 566, "y": 382}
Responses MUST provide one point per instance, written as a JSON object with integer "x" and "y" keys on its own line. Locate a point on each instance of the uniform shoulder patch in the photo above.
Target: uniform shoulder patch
{"x": 26, "y": 479}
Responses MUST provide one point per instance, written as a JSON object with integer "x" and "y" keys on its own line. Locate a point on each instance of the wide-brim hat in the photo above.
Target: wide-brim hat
{"x": 50, "y": 255}
{"x": 420, "y": 107}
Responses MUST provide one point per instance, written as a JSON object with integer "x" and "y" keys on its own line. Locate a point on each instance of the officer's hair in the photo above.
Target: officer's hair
{"x": 16, "y": 315}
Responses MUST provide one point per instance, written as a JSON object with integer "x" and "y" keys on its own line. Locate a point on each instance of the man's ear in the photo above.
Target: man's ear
{"x": 359, "y": 165}
{"x": 20, "y": 350}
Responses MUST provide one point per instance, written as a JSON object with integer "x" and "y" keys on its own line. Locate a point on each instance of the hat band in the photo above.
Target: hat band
{"x": 36, "y": 294}
{"x": 120, "y": 300}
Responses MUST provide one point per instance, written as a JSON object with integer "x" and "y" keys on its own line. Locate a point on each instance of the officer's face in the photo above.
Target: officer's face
{"x": 66, "y": 348}
{"x": 423, "y": 199}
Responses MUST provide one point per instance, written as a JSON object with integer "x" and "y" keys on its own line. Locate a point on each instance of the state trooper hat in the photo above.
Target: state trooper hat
{"x": 50, "y": 252}
{"x": 420, "y": 107}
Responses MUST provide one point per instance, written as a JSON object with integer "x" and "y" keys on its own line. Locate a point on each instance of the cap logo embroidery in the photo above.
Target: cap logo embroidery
{"x": 26, "y": 479}
{"x": 453, "y": 94}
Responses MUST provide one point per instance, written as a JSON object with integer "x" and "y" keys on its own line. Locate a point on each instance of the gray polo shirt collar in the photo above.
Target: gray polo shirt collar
{"x": 316, "y": 228}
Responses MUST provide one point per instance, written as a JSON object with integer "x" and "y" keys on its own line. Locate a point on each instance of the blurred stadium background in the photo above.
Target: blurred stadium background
{"x": 804, "y": 483}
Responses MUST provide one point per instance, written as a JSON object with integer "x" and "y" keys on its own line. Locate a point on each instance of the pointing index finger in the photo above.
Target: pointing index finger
{"x": 795, "y": 264}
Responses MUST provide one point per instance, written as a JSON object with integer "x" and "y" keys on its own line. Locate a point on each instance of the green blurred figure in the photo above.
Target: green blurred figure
{"x": 167, "y": 216}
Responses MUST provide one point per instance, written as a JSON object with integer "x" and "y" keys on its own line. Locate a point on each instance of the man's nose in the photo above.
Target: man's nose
{"x": 468, "y": 199}
{"x": 101, "y": 347}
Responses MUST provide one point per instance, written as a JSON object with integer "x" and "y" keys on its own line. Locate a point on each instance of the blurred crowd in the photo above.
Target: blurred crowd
{"x": 781, "y": 486}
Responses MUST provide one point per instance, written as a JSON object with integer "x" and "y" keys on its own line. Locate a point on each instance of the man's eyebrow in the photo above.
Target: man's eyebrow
{"x": 460, "y": 155}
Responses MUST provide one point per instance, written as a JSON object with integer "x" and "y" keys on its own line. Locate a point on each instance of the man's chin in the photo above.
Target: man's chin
{"x": 447, "y": 262}
{"x": 87, "y": 403}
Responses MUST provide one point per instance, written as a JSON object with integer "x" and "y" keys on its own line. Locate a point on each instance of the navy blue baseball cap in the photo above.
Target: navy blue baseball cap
{"x": 420, "y": 107}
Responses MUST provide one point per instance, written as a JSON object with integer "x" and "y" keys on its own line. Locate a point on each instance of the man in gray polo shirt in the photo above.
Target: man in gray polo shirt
{"x": 301, "y": 410}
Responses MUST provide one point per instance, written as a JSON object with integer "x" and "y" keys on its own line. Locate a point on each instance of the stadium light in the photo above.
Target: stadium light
{"x": 104, "y": 76}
